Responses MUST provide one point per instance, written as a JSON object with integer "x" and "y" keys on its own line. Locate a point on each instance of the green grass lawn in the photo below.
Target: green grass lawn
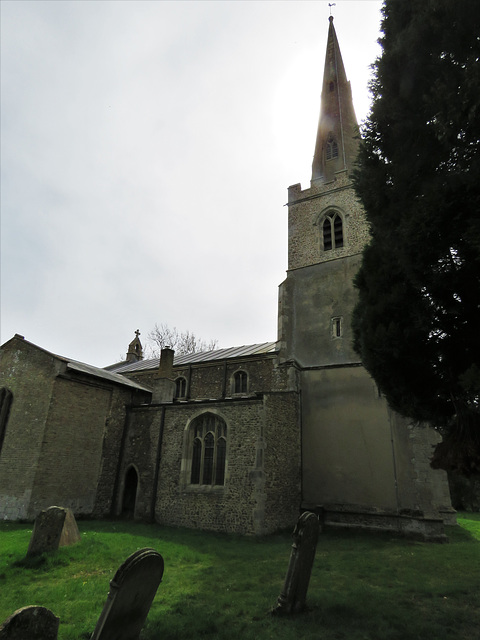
{"x": 363, "y": 586}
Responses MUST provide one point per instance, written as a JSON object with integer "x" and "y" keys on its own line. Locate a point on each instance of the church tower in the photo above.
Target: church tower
{"x": 356, "y": 453}
{"x": 326, "y": 233}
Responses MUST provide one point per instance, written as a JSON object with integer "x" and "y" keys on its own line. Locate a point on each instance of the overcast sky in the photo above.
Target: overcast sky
{"x": 147, "y": 148}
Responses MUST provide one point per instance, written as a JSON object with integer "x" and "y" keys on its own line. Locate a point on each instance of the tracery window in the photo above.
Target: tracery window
{"x": 240, "y": 382}
{"x": 208, "y": 434}
{"x": 180, "y": 388}
{"x": 332, "y": 232}
{"x": 332, "y": 147}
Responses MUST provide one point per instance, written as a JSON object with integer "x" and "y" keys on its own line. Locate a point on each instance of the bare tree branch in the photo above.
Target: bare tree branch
{"x": 182, "y": 343}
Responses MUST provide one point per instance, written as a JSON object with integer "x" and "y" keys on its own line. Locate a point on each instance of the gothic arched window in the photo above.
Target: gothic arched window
{"x": 208, "y": 435}
{"x": 332, "y": 231}
{"x": 332, "y": 147}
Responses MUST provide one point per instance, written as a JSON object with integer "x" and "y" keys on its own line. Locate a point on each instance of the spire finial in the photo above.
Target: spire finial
{"x": 331, "y": 4}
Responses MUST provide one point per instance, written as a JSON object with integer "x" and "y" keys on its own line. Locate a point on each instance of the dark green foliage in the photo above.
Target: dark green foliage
{"x": 417, "y": 322}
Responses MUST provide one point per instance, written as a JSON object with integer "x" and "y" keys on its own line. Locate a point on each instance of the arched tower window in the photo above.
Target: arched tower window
{"x": 331, "y": 147}
{"x": 332, "y": 231}
{"x": 208, "y": 435}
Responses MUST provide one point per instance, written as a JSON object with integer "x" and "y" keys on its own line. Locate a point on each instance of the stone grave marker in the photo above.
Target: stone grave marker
{"x": 294, "y": 593}
{"x": 54, "y": 527}
{"x": 70, "y": 533}
{"x": 30, "y": 623}
{"x": 131, "y": 594}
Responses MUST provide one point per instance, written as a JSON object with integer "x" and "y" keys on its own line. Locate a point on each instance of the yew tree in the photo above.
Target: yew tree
{"x": 417, "y": 322}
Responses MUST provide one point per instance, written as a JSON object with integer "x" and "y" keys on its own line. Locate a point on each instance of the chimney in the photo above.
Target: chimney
{"x": 164, "y": 386}
{"x": 165, "y": 368}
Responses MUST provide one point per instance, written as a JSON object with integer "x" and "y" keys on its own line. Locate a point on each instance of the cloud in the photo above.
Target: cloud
{"x": 146, "y": 152}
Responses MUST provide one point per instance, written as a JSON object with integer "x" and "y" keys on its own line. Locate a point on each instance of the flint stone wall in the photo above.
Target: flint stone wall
{"x": 262, "y": 480}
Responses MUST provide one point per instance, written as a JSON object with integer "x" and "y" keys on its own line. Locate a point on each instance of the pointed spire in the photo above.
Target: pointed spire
{"x": 336, "y": 146}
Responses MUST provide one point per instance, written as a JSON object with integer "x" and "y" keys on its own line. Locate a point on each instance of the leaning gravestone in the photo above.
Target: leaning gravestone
{"x": 294, "y": 593}
{"x": 54, "y": 527}
{"x": 30, "y": 623}
{"x": 130, "y": 597}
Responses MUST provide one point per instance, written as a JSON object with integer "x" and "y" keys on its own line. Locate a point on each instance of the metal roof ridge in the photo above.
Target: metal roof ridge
{"x": 200, "y": 356}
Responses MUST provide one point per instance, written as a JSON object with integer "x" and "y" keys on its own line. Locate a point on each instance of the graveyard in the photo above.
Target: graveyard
{"x": 362, "y": 586}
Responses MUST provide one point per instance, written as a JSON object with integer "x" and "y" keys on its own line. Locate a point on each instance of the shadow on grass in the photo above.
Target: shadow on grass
{"x": 364, "y": 586}
{"x": 42, "y": 562}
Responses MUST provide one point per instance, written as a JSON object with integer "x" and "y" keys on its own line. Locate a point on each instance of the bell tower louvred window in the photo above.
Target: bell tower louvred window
{"x": 332, "y": 230}
{"x": 331, "y": 148}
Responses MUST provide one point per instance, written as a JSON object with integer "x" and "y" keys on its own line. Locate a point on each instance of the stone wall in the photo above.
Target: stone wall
{"x": 305, "y": 241}
{"x": 28, "y": 373}
{"x": 140, "y": 449}
{"x": 214, "y": 380}
{"x": 282, "y": 460}
{"x": 70, "y": 457}
{"x": 262, "y": 484}
{"x": 309, "y": 300}
{"x": 111, "y": 448}
{"x": 63, "y": 436}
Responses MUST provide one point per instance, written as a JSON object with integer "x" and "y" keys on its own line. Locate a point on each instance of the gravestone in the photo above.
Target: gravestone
{"x": 30, "y": 623}
{"x": 70, "y": 533}
{"x": 294, "y": 593}
{"x": 131, "y": 594}
{"x": 54, "y": 527}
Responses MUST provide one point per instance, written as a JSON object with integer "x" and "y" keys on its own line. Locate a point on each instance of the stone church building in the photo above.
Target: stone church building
{"x": 237, "y": 440}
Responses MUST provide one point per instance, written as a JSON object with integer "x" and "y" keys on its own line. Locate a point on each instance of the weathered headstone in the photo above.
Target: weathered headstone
{"x": 131, "y": 594}
{"x": 70, "y": 533}
{"x": 294, "y": 593}
{"x": 54, "y": 527}
{"x": 30, "y": 623}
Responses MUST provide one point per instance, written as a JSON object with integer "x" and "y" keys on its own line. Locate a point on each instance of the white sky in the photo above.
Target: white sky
{"x": 146, "y": 152}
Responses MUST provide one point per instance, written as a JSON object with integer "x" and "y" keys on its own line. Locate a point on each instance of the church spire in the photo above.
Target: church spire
{"x": 336, "y": 146}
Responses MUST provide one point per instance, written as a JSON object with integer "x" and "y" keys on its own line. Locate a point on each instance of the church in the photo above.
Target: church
{"x": 238, "y": 440}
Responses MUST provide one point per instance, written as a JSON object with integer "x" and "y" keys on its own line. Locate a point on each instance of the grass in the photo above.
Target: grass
{"x": 363, "y": 586}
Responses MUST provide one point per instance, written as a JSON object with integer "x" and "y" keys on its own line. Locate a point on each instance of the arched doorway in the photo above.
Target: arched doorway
{"x": 130, "y": 493}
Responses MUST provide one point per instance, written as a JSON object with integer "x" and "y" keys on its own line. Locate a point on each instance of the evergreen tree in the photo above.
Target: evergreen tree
{"x": 417, "y": 323}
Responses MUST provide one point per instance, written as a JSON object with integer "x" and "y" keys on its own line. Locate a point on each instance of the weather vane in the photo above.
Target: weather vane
{"x": 331, "y": 4}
